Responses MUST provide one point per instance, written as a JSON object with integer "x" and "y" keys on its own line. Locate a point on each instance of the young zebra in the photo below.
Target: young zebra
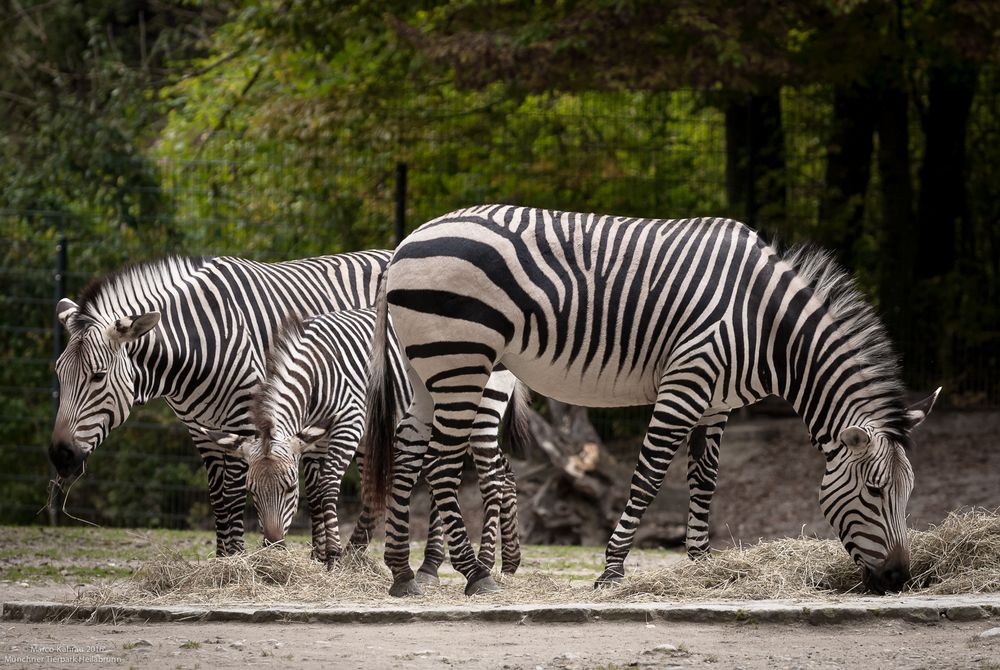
{"x": 311, "y": 404}
{"x": 193, "y": 330}
{"x": 698, "y": 316}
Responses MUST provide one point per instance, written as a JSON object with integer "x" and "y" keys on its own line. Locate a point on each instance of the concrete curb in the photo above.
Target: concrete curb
{"x": 918, "y": 610}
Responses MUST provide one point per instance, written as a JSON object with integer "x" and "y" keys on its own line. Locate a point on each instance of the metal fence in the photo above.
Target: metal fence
{"x": 283, "y": 199}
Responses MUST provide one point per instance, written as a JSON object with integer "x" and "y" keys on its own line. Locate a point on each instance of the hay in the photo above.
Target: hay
{"x": 267, "y": 575}
{"x": 961, "y": 555}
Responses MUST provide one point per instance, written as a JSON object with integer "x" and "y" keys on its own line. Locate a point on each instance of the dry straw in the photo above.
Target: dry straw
{"x": 961, "y": 555}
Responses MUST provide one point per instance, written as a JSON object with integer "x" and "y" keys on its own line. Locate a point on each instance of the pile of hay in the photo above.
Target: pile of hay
{"x": 267, "y": 575}
{"x": 962, "y": 555}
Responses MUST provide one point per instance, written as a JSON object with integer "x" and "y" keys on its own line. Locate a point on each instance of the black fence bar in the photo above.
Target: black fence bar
{"x": 400, "y": 202}
{"x": 59, "y": 292}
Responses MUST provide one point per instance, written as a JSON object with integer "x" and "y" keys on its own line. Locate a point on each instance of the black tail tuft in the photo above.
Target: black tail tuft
{"x": 517, "y": 435}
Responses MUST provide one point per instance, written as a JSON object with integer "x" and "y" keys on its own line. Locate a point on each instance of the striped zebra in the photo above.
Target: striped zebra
{"x": 694, "y": 316}
{"x": 311, "y": 405}
{"x": 194, "y": 331}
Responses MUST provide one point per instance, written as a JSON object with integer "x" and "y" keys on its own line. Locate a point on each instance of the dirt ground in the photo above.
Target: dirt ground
{"x": 481, "y": 645}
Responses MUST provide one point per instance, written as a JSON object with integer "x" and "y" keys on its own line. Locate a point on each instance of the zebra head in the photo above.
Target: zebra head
{"x": 272, "y": 473}
{"x": 865, "y": 489}
{"x": 97, "y": 381}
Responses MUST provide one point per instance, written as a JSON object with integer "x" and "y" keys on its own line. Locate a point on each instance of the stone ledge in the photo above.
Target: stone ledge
{"x": 918, "y": 610}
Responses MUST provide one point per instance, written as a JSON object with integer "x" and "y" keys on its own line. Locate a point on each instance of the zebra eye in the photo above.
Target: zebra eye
{"x": 875, "y": 491}
{"x": 98, "y": 376}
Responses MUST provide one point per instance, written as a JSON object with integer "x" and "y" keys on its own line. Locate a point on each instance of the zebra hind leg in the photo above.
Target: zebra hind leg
{"x": 364, "y": 528}
{"x": 427, "y": 573}
{"x": 409, "y": 451}
{"x": 677, "y": 410}
{"x": 509, "y": 532}
{"x": 704, "y": 446}
{"x": 494, "y": 473}
{"x": 454, "y": 414}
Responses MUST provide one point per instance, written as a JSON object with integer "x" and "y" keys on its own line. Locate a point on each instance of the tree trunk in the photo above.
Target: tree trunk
{"x": 943, "y": 205}
{"x": 848, "y": 169}
{"x": 898, "y": 242}
{"x": 755, "y": 160}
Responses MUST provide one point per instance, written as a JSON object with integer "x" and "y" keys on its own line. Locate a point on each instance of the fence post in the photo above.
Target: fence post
{"x": 59, "y": 292}
{"x": 400, "y": 202}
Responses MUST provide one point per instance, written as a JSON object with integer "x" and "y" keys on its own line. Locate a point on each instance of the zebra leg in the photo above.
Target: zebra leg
{"x": 364, "y": 529}
{"x": 509, "y": 532}
{"x": 316, "y": 483}
{"x": 227, "y": 492}
{"x": 427, "y": 573}
{"x": 454, "y": 414}
{"x": 704, "y": 445}
{"x": 680, "y": 403}
{"x": 410, "y": 450}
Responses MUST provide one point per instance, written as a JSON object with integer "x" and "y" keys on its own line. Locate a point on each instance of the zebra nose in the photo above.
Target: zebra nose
{"x": 892, "y": 575}
{"x": 273, "y": 536}
{"x": 67, "y": 458}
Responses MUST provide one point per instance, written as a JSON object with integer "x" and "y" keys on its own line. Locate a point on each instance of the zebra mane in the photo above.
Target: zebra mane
{"x": 147, "y": 274}
{"x": 837, "y": 289}
{"x": 283, "y": 348}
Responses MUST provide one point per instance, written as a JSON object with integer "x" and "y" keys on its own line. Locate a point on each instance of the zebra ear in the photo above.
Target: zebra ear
{"x": 65, "y": 310}
{"x": 855, "y": 438}
{"x": 131, "y": 328}
{"x": 919, "y": 411}
{"x": 312, "y": 435}
{"x": 229, "y": 442}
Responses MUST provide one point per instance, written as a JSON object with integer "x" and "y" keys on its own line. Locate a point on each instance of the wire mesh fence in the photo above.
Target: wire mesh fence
{"x": 278, "y": 198}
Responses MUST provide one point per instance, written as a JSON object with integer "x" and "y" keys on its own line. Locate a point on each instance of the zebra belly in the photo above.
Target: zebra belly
{"x": 578, "y": 387}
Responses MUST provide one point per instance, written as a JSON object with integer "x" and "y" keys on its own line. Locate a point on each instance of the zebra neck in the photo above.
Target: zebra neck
{"x": 823, "y": 379}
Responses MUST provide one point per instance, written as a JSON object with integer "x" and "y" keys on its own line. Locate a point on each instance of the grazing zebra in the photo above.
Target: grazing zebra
{"x": 697, "y": 316}
{"x": 311, "y": 404}
{"x": 195, "y": 331}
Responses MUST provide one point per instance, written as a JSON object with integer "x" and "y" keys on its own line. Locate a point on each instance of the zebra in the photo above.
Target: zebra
{"x": 311, "y": 404}
{"x": 695, "y": 316}
{"x": 193, "y": 330}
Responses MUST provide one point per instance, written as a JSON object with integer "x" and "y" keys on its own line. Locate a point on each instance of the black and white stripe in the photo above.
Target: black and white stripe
{"x": 311, "y": 405}
{"x": 696, "y": 316}
{"x": 195, "y": 331}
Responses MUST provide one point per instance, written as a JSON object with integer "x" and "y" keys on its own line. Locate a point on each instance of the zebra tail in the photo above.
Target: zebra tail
{"x": 517, "y": 435}
{"x": 380, "y": 417}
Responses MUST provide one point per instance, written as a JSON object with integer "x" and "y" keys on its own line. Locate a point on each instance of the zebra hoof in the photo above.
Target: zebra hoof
{"x": 405, "y": 589}
{"x": 483, "y": 585}
{"x": 610, "y": 577}
{"x": 427, "y": 578}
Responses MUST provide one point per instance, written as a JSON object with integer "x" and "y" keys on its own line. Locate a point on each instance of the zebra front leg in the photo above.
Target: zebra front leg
{"x": 227, "y": 492}
{"x": 427, "y": 573}
{"x": 312, "y": 464}
{"x": 509, "y": 532}
{"x": 678, "y": 408}
{"x": 704, "y": 446}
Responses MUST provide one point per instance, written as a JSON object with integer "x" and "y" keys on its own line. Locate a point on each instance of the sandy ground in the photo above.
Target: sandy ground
{"x": 479, "y": 645}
